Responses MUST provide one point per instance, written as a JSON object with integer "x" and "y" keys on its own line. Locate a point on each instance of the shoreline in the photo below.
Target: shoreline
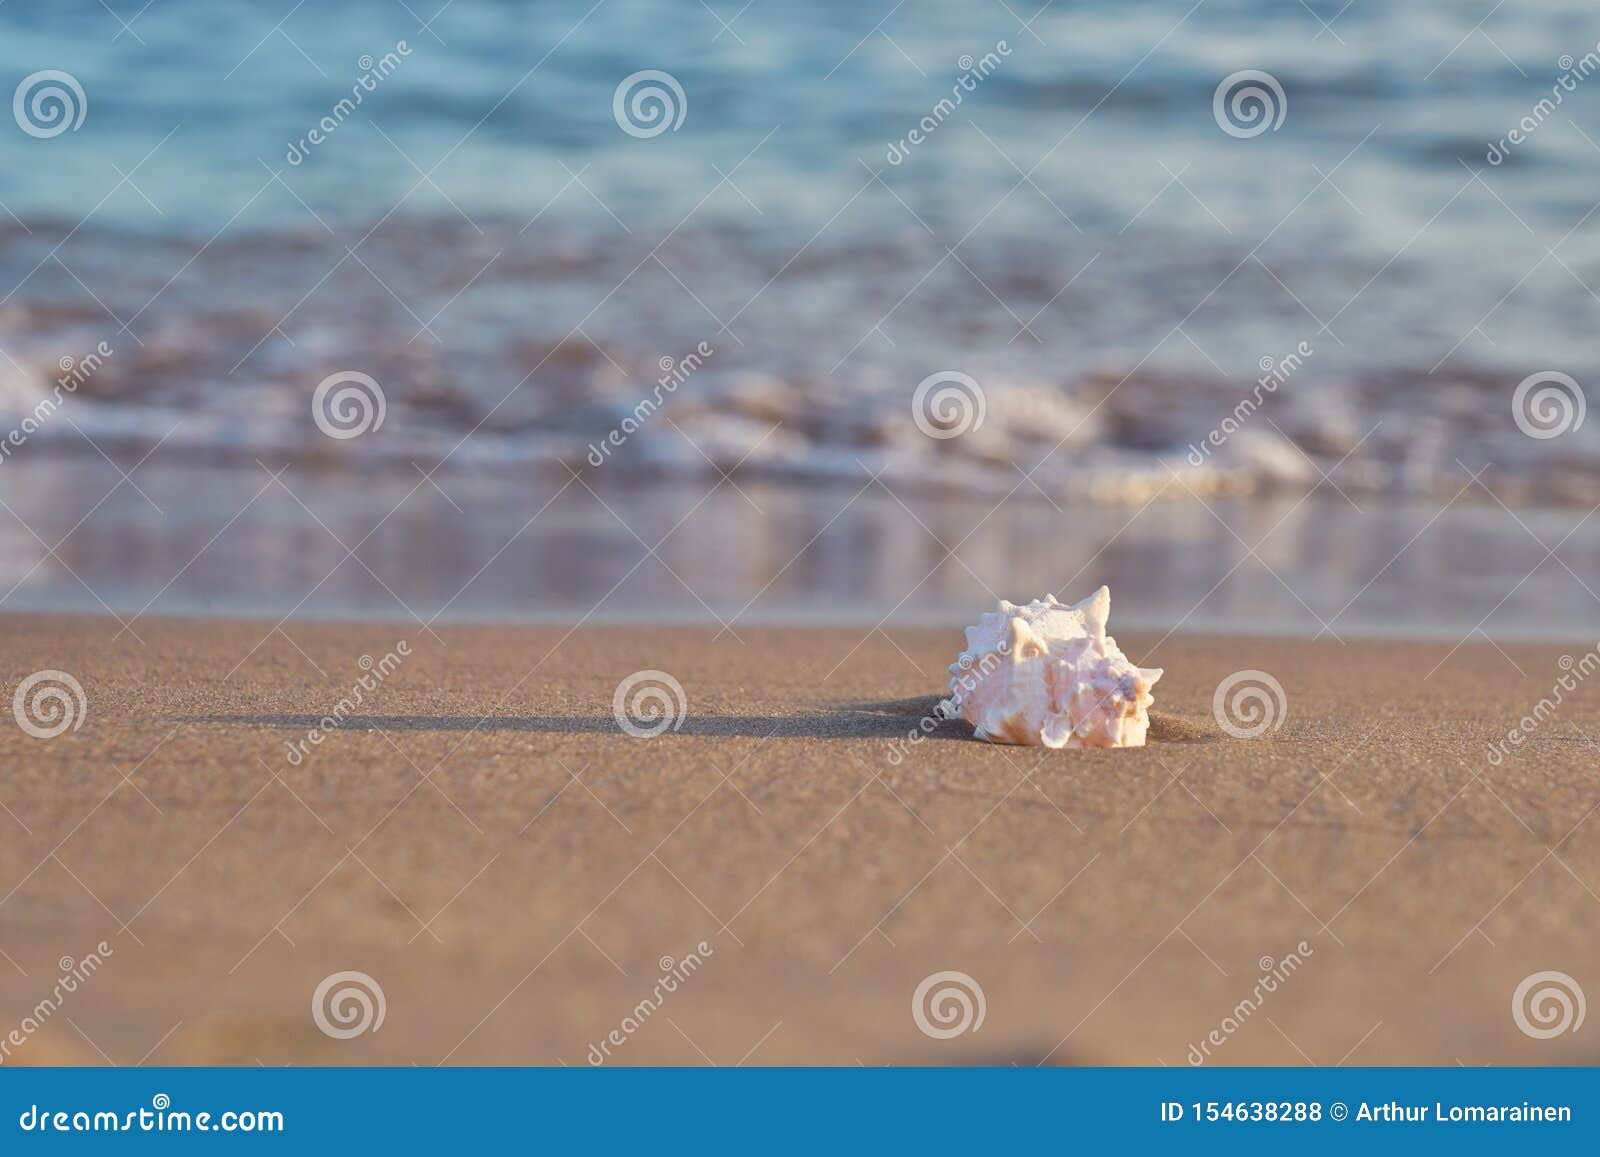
{"x": 932, "y": 622}
{"x": 239, "y": 543}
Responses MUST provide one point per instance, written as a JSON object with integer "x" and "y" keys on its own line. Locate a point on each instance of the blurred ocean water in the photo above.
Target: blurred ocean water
{"x": 1044, "y": 201}
{"x": 482, "y": 238}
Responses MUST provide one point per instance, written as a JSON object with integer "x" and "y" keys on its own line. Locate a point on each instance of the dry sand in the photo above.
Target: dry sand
{"x": 514, "y": 881}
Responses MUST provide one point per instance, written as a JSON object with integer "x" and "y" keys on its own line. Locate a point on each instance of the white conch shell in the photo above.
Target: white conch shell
{"x": 1048, "y": 675}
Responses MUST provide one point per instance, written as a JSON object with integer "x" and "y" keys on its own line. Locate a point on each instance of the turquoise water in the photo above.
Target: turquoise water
{"x": 1081, "y": 236}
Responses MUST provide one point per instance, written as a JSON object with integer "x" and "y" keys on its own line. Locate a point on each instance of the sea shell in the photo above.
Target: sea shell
{"x": 1047, "y": 675}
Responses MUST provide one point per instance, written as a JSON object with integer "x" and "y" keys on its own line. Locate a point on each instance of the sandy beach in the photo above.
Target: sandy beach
{"x": 516, "y": 872}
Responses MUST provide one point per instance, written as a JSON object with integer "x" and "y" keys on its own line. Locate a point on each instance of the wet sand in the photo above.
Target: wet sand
{"x": 482, "y": 839}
